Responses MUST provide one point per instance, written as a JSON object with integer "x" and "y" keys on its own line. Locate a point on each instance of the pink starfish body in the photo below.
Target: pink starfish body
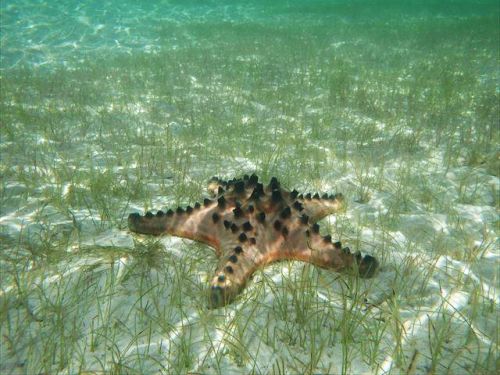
{"x": 250, "y": 225}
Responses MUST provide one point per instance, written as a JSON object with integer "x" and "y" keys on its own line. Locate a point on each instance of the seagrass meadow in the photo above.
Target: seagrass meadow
{"x": 109, "y": 108}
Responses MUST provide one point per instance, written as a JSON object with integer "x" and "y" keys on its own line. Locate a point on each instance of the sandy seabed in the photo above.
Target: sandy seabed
{"x": 104, "y": 114}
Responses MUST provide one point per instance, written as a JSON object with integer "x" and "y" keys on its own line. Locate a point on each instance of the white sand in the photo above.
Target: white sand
{"x": 116, "y": 310}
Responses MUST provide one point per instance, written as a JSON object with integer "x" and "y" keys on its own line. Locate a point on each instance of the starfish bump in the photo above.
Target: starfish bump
{"x": 250, "y": 225}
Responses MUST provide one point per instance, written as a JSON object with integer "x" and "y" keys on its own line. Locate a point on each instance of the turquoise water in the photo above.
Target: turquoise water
{"x": 112, "y": 107}
{"x": 50, "y": 34}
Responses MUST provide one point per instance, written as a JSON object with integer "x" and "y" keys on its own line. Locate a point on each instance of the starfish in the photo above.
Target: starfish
{"x": 251, "y": 225}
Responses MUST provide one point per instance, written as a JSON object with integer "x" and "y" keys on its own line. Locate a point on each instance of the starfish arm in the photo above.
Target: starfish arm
{"x": 333, "y": 256}
{"x": 304, "y": 243}
{"x": 317, "y": 208}
{"x": 236, "y": 265}
{"x": 196, "y": 223}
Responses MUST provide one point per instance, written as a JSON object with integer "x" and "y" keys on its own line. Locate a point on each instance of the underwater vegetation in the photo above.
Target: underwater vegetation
{"x": 108, "y": 109}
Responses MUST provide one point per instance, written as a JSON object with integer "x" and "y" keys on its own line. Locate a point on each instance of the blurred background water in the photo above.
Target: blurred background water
{"x": 60, "y": 33}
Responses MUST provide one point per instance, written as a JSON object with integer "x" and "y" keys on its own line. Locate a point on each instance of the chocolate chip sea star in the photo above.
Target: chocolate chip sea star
{"x": 250, "y": 225}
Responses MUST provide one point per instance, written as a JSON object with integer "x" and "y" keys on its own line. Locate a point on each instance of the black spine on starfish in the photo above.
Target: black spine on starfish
{"x": 250, "y": 225}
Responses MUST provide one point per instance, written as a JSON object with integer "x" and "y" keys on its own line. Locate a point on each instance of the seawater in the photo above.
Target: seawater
{"x": 40, "y": 33}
